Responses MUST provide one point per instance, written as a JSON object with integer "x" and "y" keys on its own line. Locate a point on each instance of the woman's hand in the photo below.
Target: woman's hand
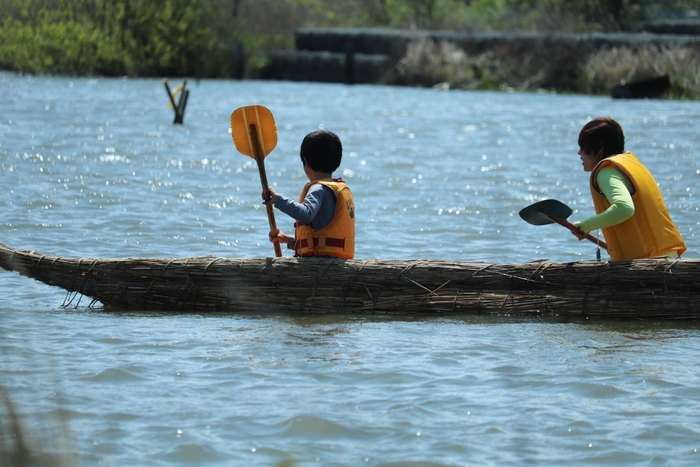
{"x": 578, "y": 233}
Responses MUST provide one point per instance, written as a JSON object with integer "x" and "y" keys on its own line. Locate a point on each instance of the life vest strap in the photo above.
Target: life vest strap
{"x": 334, "y": 242}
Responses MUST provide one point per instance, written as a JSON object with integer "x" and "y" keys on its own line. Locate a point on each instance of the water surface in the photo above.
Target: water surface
{"x": 95, "y": 167}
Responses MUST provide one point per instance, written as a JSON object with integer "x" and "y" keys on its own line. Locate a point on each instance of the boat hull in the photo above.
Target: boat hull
{"x": 638, "y": 289}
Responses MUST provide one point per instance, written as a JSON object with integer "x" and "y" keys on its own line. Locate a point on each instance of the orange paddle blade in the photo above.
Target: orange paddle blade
{"x": 256, "y": 118}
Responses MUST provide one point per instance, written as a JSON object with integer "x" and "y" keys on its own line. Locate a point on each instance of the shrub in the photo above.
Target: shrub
{"x": 618, "y": 66}
{"x": 427, "y": 63}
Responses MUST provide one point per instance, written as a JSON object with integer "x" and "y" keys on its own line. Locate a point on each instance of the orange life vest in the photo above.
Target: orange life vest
{"x": 650, "y": 231}
{"x": 338, "y": 237}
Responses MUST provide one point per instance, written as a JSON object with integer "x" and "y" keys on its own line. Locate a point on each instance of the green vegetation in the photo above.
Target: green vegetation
{"x": 102, "y": 36}
{"x": 205, "y": 38}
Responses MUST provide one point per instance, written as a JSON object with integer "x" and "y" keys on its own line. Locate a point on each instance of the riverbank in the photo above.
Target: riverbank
{"x": 590, "y": 63}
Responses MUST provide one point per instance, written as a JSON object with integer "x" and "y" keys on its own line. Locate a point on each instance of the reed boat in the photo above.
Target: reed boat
{"x": 639, "y": 289}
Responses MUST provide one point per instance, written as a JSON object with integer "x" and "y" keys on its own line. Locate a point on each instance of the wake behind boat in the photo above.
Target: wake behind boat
{"x": 639, "y": 289}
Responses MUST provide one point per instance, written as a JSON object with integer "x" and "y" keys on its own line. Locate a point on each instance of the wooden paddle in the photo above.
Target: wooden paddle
{"x": 255, "y": 135}
{"x": 550, "y": 211}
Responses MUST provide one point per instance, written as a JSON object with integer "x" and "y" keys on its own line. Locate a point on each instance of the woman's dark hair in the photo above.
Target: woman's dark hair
{"x": 322, "y": 151}
{"x": 602, "y": 133}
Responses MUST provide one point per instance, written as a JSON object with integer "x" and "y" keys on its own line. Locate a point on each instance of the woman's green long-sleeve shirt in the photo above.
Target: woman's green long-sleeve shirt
{"x": 616, "y": 189}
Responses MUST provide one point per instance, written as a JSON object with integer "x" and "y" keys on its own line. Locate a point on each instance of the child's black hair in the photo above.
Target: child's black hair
{"x": 322, "y": 151}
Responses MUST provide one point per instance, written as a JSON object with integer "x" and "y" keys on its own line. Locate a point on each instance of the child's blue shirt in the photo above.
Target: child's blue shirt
{"x": 317, "y": 209}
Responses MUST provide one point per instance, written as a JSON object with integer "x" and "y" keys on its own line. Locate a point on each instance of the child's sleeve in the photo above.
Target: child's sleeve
{"x": 612, "y": 184}
{"x": 306, "y": 211}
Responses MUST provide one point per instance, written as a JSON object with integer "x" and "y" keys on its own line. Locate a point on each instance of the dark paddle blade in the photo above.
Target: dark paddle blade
{"x": 535, "y": 214}
{"x": 550, "y": 211}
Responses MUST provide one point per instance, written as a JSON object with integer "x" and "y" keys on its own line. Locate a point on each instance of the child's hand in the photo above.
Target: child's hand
{"x": 277, "y": 236}
{"x": 273, "y": 196}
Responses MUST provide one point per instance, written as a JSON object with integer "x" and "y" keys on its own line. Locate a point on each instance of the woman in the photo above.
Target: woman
{"x": 629, "y": 206}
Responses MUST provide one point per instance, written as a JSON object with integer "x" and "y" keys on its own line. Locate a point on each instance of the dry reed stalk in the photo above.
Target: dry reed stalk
{"x": 22, "y": 446}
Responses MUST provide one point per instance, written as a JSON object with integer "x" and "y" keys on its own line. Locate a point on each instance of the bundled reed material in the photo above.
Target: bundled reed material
{"x": 638, "y": 289}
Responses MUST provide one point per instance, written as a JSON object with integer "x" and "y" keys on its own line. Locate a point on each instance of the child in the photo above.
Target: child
{"x": 325, "y": 213}
{"x": 627, "y": 200}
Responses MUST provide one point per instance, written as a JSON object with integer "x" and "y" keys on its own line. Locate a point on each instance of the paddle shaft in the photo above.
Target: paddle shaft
{"x": 573, "y": 228}
{"x": 260, "y": 159}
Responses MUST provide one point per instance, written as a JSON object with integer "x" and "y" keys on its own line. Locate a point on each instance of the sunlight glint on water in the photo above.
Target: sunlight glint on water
{"x": 94, "y": 167}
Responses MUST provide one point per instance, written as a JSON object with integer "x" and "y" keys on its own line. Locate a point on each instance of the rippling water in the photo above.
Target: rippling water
{"x": 94, "y": 167}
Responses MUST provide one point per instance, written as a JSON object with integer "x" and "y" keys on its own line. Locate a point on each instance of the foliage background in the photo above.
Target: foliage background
{"x": 233, "y": 38}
